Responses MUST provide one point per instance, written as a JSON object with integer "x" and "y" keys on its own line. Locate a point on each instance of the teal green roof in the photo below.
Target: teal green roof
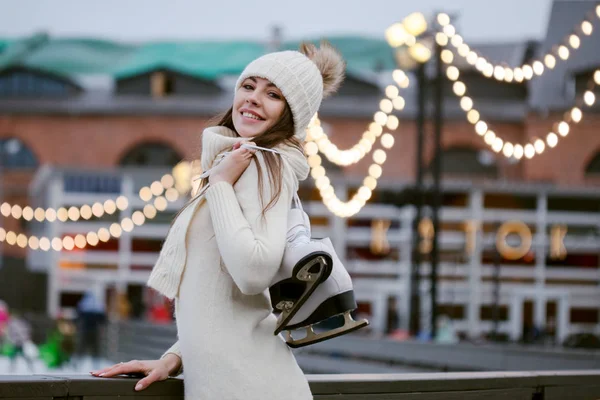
{"x": 205, "y": 60}
{"x": 78, "y": 56}
{"x": 202, "y": 59}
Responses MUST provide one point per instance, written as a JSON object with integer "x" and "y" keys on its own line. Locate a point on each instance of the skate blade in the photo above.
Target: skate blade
{"x": 313, "y": 280}
{"x": 350, "y": 325}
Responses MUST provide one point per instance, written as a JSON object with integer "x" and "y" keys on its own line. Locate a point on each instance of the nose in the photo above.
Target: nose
{"x": 253, "y": 98}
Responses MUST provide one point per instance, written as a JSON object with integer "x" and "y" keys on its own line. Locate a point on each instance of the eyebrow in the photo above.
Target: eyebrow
{"x": 271, "y": 84}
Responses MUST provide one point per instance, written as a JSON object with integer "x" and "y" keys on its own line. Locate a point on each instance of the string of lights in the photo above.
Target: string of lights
{"x": 536, "y": 145}
{"x": 92, "y": 238}
{"x": 384, "y": 117}
{"x": 86, "y": 212}
{"x": 338, "y": 207}
{"x": 502, "y": 72}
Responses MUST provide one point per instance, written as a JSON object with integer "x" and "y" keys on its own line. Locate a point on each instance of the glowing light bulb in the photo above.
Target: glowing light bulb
{"x": 379, "y": 156}
{"x": 387, "y": 141}
{"x": 449, "y": 30}
{"x": 499, "y": 73}
{"x": 92, "y": 238}
{"x": 380, "y": 118}
{"x": 145, "y": 194}
{"x": 473, "y": 116}
{"x": 574, "y": 41}
{"x": 472, "y": 58}
{"x": 443, "y": 19}
{"x": 550, "y": 61}
{"x": 375, "y": 171}
{"x": 167, "y": 181}
{"x": 386, "y": 106}
{"x": 459, "y": 88}
{"x": 529, "y": 150}
{"x": 123, "y": 203}
{"x": 539, "y": 146}
{"x": 110, "y": 207}
{"x": 552, "y": 139}
{"x": 447, "y": 56}
{"x": 481, "y": 128}
{"x": 399, "y": 103}
{"x": 466, "y": 103}
{"x": 508, "y": 149}
{"x": 587, "y": 28}
{"x": 392, "y": 122}
{"x": 527, "y": 72}
{"x": 563, "y": 128}
{"x": 518, "y": 153}
{"x": 563, "y": 52}
{"x": 392, "y": 92}
{"x": 441, "y": 39}
{"x": 538, "y": 68}
{"x": 489, "y": 137}
{"x": 576, "y": 114}
{"x": 497, "y": 145}
{"x": 452, "y": 73}
{"x": 589, "y": 98}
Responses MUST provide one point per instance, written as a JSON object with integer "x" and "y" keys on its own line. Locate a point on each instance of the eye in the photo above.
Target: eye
{"x": 275, "y": 95}
{"x": 248, "y": 86}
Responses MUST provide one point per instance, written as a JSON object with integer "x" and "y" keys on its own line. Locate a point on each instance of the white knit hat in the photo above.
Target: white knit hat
{"x": 299, "y": 80}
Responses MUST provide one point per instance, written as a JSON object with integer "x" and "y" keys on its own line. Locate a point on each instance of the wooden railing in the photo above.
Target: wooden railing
{"x": 558, "y": 385}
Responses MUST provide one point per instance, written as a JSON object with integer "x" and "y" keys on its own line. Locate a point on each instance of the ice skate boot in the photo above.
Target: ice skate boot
{"x": 305, "y": 265}
{"x": 334, "y": 297}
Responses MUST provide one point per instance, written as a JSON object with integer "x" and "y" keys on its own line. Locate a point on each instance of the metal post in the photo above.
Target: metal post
{"x": 437, "y": 194}
{"x": 496, "y": 294}
{"x": 416, "y": 265}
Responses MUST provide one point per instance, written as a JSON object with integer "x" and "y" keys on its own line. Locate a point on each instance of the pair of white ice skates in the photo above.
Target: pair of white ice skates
{"x": 311, "y": 285}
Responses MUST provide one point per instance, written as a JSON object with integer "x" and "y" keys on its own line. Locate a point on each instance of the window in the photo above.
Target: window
{"x": 14, "y": 154}
{"x": 151, "y": 155}
{"x": 24, "y": 83}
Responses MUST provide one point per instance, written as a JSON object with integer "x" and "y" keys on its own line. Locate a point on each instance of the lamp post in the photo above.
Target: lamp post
{"x": 414, "y": 43}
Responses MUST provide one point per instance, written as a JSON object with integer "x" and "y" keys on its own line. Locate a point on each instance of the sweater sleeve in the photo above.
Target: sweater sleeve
{"x": 251, "y": 245}
{"x": 175, "y": 350}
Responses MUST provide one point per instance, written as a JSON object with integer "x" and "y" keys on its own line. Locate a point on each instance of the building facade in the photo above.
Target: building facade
{"x": 89, "y": 132}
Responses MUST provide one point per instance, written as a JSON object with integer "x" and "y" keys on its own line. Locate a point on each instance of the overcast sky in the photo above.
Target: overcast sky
{"x": 135, "y": 20}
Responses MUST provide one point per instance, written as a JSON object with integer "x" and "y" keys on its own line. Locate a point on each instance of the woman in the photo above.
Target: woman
{"x": 225, "y": 247}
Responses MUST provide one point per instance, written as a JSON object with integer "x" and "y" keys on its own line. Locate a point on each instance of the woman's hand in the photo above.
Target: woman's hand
{"x": 154, "y": 370}
{"x": 232, "y": 166}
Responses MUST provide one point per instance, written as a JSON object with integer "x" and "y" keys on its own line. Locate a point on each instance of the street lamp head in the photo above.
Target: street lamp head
{"x": 415, "y": 24}
{"x": 420, "y": 52}
{"x": 396, "y": 35}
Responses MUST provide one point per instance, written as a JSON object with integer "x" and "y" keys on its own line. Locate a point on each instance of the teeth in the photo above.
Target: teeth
{"x": 248, "y": 115}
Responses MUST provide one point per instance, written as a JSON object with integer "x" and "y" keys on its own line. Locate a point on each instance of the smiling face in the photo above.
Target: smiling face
{"x": 257, "y": 106}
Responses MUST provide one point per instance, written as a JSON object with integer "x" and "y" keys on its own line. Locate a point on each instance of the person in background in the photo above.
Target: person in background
{"x": 18, "y": 334}
{"x": 4, "y": 317}
{"x": 91, "y": 317}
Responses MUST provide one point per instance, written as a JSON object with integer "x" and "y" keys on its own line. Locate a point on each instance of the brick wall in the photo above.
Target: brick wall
{"x": 101, "y": 141}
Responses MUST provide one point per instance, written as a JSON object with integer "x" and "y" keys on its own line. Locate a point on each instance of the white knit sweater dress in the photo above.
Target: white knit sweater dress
{"x": 218, "y": 262}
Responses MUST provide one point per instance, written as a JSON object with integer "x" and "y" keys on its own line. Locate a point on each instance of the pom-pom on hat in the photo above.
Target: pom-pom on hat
{"x": 304, "y": 77}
